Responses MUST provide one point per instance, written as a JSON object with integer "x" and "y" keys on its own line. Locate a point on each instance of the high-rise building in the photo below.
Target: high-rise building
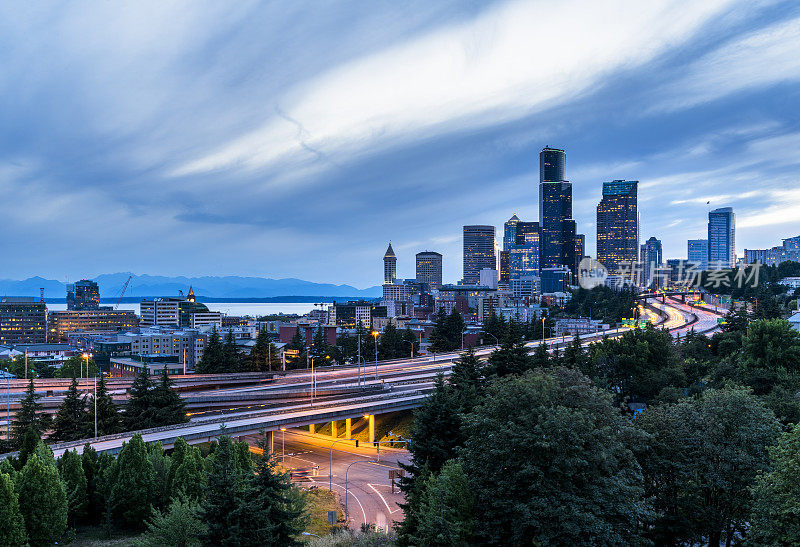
{"x": 789, "y": 250}
{"x": 618, "y": 225}
{"x": 429, "y": 269}
{"x": 23, "y": 320}
{"x": 697, "y": 253}
{"x": 170, "y": 311}
{"x": 83, "y": 295}
{"x": 389, "y": 265}
{"x": 557, "y": 239}
{"x": 652, "y": 262}
{"x": 721, "y": 238}
{"x": 523, "y": 254}
{"x": 504, "y": 274}
{"x": 479, "y": 245}
{"x": 510, "y": 232}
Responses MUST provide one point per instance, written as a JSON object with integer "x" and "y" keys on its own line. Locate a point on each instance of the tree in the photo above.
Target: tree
{"x": 140, "y": 402}
{"x": 108, "y": 418}
{"x": 12, "y": 525}
{"x": 231, "y": 356}
{"x": 76, "y": 367}
{"x": 161, "y": 472}
{"x": 42, "y": 500}
{"x": 446, "y": 513}
{"x": 75, "y": 485}
{"x": 167, "y": 406}
{"x": 29, "y": 416}
{"x": 264, "y": 355}
{"x": 273, "y": 511}
{"x": 70, "y": 421}
{"x": 540, "y": 357}
{"x": 190, "y": 477}
{"x": 549, "y": 459}
{"x": 702, "y": 456}
{"x": 512, "y": 355}
{"x": 93, "y": 472}
{"x": 220, "y": 510}
{"x": 213, "y": 360}
{"x": 132, "y": 481}
{"x": 410, "y": 342}
{"x": 429, "y": 449}
{"x": 447, "y": 330}
{"x": 772, "y": 344}
{"x": 178, "y": 525}
{"x": 776, "y": 495}
{"x": 297, "y": 343}
{"x": 467, "y": 380}
{"x": 29, "y": 443}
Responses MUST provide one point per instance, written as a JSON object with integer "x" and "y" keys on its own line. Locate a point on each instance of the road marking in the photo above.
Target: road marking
{"x": 382, "y": 499}
{"x": 349, "y": 491}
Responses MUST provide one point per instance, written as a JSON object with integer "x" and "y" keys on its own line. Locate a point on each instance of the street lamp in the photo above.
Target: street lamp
{"x": 86, "y": 357}
{"x": 8, "y": 404}
{"x": 310, "y": 534}
{"x": 375, "y": 334}
{"x": 496, "y": 341}
{"x": 412, "y": 347}
{"x": 283, "y": 445}
{"x": 346, "y": 485}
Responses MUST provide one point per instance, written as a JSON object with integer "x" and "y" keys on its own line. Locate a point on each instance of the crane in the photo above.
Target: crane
{"x": 122, "y": 292}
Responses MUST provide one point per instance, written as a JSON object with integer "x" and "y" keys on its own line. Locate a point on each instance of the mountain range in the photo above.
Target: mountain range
{"x": 215, "y": 287}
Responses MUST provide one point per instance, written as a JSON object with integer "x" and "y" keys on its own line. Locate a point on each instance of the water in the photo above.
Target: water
{"x": 254, "y": 309}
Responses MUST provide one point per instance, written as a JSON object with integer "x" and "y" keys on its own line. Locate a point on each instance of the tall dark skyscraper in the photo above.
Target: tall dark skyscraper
{"x": 429, "y": 269}
{"x": 721, "y": 238}
{"x": 618, "y": 224}
{"x": 83, "y": 295}
{"x": 557, "y": 241}
{"x": 478, "y": 252}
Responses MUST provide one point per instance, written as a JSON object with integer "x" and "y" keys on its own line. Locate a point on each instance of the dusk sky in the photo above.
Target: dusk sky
{"x": 295, "y": 139}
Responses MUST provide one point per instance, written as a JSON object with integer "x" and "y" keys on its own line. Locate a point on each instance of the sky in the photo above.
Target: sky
{"x": 296, "y": 139}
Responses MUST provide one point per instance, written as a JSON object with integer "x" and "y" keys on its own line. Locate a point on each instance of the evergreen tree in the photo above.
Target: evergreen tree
{"x": 42, "y": 500}
{"x": 319, "y": 346}
{"x": 75, "y": 485}
{"x": 410, "y": 343}
{"x": 93, "y": 473}
{"x": 273, "y": 512}
{"x": 29, "y": 443}
{"x": 190, "y": 480}
{"x": 446, "y": 513}
{"x": 161, "y": 471}
{"x": 167, "y": 406}
{"x": 231, "y": 355}
{"x": 12, "y": 525}
{"x": 467, "y": 380}
{"x": 540, "y": 357}
{"x": 439, "y": 337}
{"x": 76, "y": 367}
{"x": 138, "y": 411}
{"x": 132, "y": 481}
{"x": 179, "y": 526}
{"x": 70, "y": 421}
{"x": 263, "y": 356}
{"x": 213, "y": 360}
{"x": 512, "y": 355}
{"x": 180, "y": 449}
{"x": 108, "y": 418}
{"x": 297, "y": 343}
{"x": 575, "y": 356}
{"x": 29, "y": 416}
{"x": 220, "y": 510}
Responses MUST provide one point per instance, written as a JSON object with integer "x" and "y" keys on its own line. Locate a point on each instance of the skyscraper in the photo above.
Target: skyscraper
{"x": 429, "y": 269}
{"x": 652, "y": 262}
{"x": 389, "y": 266}
{"x": 721, "y": 238}
{"x": 618, "y": 224}
{"x": 523, "y": 254}
{"x": 479, "y": 253}
{"x": 557, "y": 238}
{"x": 697, "y": 253}
{"x": 83, "y": 295}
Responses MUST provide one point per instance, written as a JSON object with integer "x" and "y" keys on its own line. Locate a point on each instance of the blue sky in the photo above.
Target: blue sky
{"x": 295, "y": 139}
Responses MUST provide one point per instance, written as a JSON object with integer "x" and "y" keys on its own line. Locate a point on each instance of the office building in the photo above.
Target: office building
{"x": 554, "y": 279}
{"x": 652, "y": 263}
{"x": 61, "y": 323}
{"x": 503, "y": 272}
{"x": 350, "y": 314}
{"x": 618, "y": 225}
{"x": 429, "y": 269}
{"x": 488, "y": 278}
{"x": 389, "y": 265}
{"x": 523, "y": 254}
{"x": 83, "y": 295}
{"x": 788, "y": 250}
{"x": 170, "y": 311}
{"x": 697, "y": 253}
{"x": 721, "y": 238}
{"x": 23, "y": 320}
{"x": 557, "y": 228}
{"x": 479, "y": 252}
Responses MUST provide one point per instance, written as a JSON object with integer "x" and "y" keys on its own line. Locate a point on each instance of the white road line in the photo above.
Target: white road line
{"x": 349, "y": 491}
{"x": 383, "y": 499}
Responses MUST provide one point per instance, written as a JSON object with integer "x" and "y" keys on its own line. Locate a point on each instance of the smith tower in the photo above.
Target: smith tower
{"x": 389, "y": 266}
{"x": 557, "y": 243}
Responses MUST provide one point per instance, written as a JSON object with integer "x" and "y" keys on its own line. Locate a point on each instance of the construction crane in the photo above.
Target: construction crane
{"x": 122, "y": 292}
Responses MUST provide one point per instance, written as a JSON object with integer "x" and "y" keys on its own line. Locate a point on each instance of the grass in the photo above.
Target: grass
{"x": 320, "y": 501}
{"x": 95, "y": 536}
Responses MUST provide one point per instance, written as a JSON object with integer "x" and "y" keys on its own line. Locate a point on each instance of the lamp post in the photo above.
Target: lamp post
{"x": 8, "y": 405}
{"x": 346, "y": 485}
{"x": 86, "y": 357}
{"x": 496, "y": 341}
{"x": 412, "y": 347}
{"x": 543, "y": 318}
{"x": 95, "y": 407}
{"x": 375, "y": 334}
{"x": 283, "y": 445}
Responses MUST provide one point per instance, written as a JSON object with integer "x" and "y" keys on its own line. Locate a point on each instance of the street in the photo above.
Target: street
{"x": 369, "y": 493}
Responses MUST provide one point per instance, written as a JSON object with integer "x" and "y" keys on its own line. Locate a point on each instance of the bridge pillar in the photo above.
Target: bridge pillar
{"x": 269, "y": 437}
{"x": 334, "y": 429}
{"x": 312, "y": 428}
{"x": 348, "y": 428}
{"x": 371, "y": 418}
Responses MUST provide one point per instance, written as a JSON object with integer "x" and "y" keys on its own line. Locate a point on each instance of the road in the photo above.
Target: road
{"x": 369, "y": 493}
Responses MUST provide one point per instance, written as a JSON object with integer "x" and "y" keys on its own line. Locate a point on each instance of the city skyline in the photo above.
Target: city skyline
{"x": 242, "y": 162}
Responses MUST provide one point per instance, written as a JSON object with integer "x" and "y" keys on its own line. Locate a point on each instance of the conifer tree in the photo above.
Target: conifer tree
{"x": 108, "y": 418}
{"x": 132, "y": 481}
{"x": 70, "y": 421}
{"x": 467, "y": 380}
{"x": 541, "y": 357}
{"x": 231, "y": 355}
{"x": 29, "y": 416}
{"x": 138, "y": 411}
{"x": 213, "y": 358}
{"x": 410, "y": 343}
{"x": 161, "y": 469}
{"x": 263, "y": 356}
{"x": 273, "y": 512}
{"x": 168, "y": 407}
{"x": 29, "y": 443}
{"x": 93, "y": 473}
{"x": 179, "y": 451}
{"x": 12, "y": 525}
{"x": 220, "y": 510}
{"x": 75, "y": 485}
{"x": 190, "y": 479}
{"x": 512, "y": 355}
{"x": 42, "y": 499}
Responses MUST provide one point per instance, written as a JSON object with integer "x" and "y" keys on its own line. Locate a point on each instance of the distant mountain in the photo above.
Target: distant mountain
{"x": 209, "y": 286}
